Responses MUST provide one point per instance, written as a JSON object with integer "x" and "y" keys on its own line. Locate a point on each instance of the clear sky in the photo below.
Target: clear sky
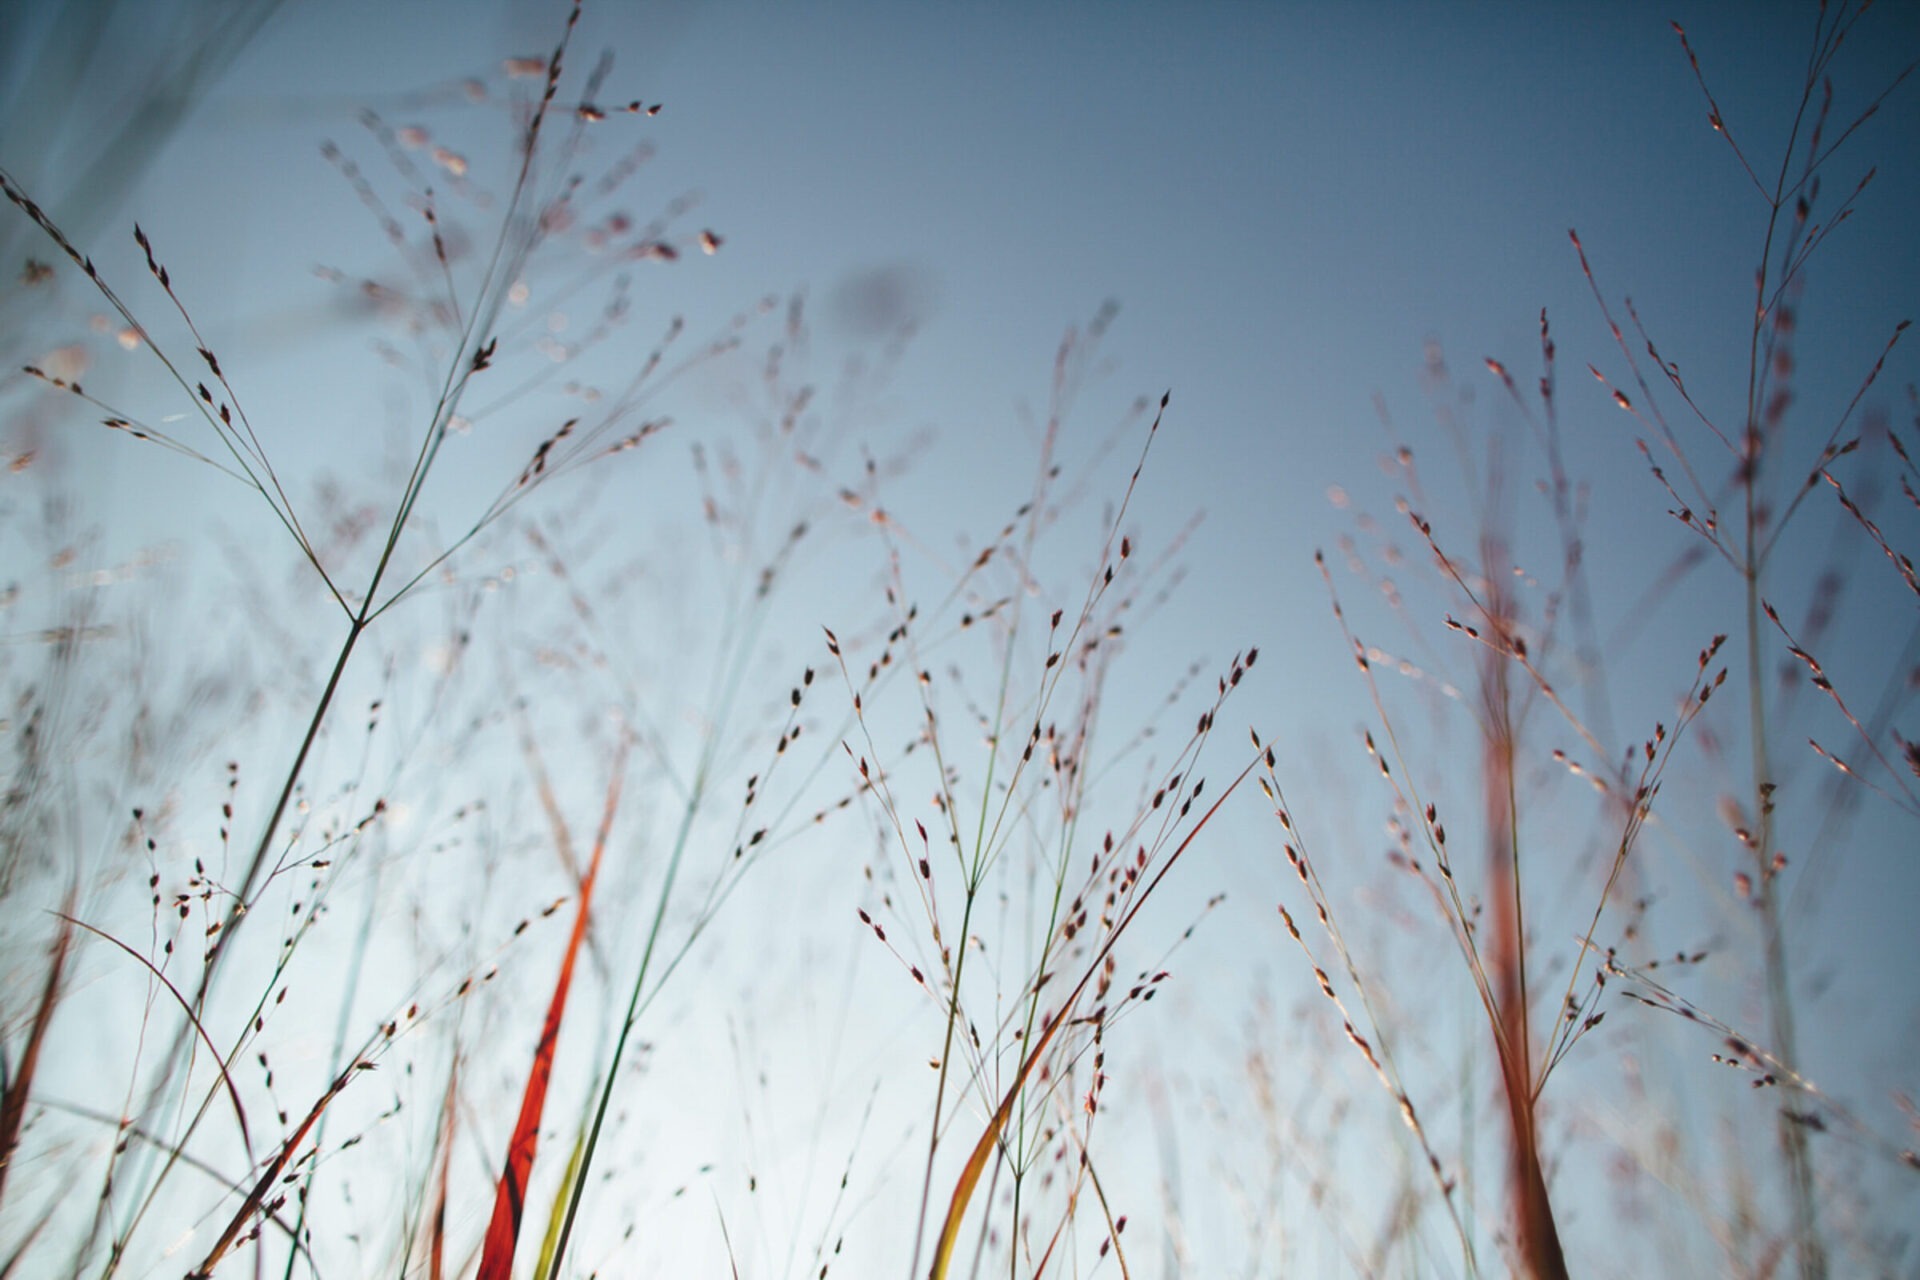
{"x": 1295, "y": 207}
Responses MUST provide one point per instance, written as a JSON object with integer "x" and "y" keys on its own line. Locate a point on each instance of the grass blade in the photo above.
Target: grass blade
{"x": 509, "y": 1202}
{"x": 271, "y": 1175}
{"x": 437, "y": 1228}
{"x": 13, "y": 1107}
{"x": 990, "y": 1136}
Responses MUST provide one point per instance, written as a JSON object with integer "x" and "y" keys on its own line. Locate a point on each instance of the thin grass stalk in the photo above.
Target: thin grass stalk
{"x": 543, "y": 1263}
{"x": 631, "y": 1017}
{"x": 1809, "y": 1252}
{"x": 503, "y": 1231}
{"x": 1537, "y": 1234}
{"x": 194, "y": 1025}
{"x": 20, "y": 1074}
{"x": 973, "y": 875}
{"x": 473, "y": 355}
{"x": 259, "y": 1197}
{"x": 1500, "y": 972}
{"x": 1762, "y": 433}
{"x": 350, "y": 990}
{"x": 443, "y": 1175}
{"x": 554, "y": 1250}
{"x": 746, "y": 615}
{"x": 986, "y": 838}
{"x": 991, "y": 1135}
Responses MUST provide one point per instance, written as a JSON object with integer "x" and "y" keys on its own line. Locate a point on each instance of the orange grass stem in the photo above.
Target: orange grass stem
{"x": 509, "y": 1203}
{"x": 990, "y": 1136}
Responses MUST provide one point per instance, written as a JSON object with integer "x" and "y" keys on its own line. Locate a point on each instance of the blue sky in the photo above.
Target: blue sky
{"x": 1289, "y": 203}
{"x": 1286, "y": 203}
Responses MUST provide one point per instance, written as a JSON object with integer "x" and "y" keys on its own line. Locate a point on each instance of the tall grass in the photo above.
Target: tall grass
{"x": 1020, "y": 1071}
{"x": 315, "y": 970}
{"x": 1775, "y": 461}
{"x": 1532, "y": 678}
{"x": 380, "y": 836}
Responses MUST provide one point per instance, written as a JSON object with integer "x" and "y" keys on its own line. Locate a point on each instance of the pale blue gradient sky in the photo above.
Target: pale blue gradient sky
{"x": 1288, "y": 201}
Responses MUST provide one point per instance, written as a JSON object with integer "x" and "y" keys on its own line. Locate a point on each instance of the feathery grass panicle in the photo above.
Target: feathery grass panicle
{"x": 1533, "y": 644}
{"x": 461, "y": 303}
{"x": 1773, "y": 460}
{"x": 1022, "y": 1009}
